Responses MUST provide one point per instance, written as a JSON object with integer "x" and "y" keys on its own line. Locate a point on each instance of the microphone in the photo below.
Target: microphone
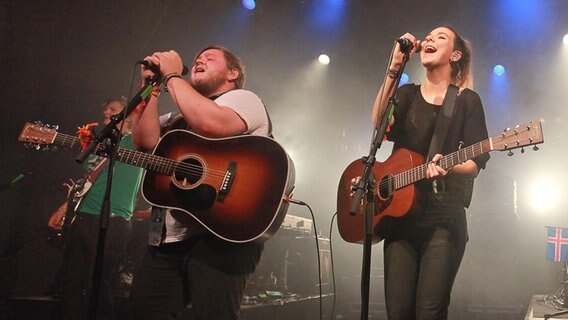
{"x": 406, "y": 45}
{"x": 156, "y": 69}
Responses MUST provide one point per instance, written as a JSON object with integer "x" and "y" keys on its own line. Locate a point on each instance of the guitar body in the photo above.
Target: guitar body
{"x": 387, "y": 204}
{"x": 261, "y": 176}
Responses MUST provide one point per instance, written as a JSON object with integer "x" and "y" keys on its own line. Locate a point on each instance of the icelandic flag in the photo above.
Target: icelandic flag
{"x": 557, "y": 244}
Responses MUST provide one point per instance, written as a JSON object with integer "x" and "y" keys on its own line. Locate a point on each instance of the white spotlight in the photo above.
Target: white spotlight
{"x": 544, "y": 196}
{"x": 565, "y": 40}
{"x": 324, "y": 59}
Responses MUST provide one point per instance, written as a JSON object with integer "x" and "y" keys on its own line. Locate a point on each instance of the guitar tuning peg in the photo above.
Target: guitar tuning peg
{"x": 506, "y": 129}
{"x": 510, "y": 154}
{"x": 535, "y": 148}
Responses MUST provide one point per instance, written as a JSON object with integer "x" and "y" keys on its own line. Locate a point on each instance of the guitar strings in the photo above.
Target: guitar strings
{"x": 169, "y": 166}
{"x": 419, "y": 172}
{"x": 156, "y": 163}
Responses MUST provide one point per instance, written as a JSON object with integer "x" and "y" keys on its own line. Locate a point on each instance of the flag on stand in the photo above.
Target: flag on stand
{"x": 557, "y": 244}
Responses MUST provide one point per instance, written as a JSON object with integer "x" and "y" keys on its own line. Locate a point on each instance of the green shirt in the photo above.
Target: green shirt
{"x": 125, "y": 186}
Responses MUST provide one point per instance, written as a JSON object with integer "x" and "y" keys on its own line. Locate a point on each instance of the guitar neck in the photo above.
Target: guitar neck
{"x": 418, "y": 173}
{"x": 136, "y": 158}
{"x": 67, "y": 141}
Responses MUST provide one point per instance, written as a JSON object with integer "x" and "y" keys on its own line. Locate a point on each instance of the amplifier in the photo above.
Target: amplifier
{"x": 300, "y": 224}
{"x": 288, "y": 264}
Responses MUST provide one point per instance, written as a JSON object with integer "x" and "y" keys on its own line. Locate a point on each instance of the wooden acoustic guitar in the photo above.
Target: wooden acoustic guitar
{"x": 395, "y": 192}
{"x": 235, "y": 187}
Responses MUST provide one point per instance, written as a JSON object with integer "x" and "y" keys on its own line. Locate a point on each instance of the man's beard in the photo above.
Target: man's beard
{"x": 209, "y": 85}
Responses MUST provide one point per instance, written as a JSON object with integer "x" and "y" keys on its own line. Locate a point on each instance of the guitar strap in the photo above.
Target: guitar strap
{"x": 96, "y": 171}
{"x": 442, "y": 124}
{"x": 443, "y": 121}
{"x": 90, "y": 178}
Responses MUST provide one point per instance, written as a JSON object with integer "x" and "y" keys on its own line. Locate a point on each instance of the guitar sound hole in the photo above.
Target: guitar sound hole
{"x": 188, "y": 173}
{"x": 385, "y": 188}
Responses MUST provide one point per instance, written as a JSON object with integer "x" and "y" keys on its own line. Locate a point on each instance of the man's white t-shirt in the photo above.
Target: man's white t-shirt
{"x": 179, "y": 225}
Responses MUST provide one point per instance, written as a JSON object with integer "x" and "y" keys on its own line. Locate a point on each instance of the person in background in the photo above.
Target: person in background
{"x": 81, "y": 226}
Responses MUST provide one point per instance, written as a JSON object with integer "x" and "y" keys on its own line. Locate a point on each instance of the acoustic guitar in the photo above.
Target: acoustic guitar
{"x": 395, "y": 192}
{"x": 235, "y": 187}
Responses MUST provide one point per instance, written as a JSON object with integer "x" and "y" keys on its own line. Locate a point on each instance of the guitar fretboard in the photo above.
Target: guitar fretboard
{"x": 448, "y": 161}
{"x": 136, "y": 158}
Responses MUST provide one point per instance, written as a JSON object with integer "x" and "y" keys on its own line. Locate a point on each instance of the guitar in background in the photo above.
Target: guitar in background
{"x": 76, "y": 190}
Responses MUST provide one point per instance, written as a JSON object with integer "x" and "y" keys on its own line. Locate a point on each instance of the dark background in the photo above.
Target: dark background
{"x": 59, "y": 60}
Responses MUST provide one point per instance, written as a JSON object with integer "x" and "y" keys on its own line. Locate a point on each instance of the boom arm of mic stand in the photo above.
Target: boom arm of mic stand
{"x": 108, "y": 129}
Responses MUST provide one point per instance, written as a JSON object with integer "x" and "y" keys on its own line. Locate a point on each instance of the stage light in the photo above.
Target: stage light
{"x": 324, "y": 59}
{"x": 565, "y": 40}
{"x": 249, "y": 4}
{"x": 327, "y": 14}
{"x": 544, "y": 196}
{"x": 499, "y": 70}
{"x": 403, "y": 79}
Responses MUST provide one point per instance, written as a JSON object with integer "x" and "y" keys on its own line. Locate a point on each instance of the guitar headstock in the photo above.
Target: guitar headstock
{"x": 518, "y": 137}
{"x": 38, "y": 136}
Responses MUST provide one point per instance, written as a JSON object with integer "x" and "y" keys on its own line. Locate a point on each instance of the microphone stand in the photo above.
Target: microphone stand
{"x": 110, "y": 133}
{"x": 366, "y": 186}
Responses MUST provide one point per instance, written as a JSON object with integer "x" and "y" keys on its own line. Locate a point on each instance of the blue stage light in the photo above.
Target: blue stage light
{"x": 328, "y": 14}
{"x": 403, "y": 79}
{"x": 499, "y": 70}
{"x": 249, "y": 4}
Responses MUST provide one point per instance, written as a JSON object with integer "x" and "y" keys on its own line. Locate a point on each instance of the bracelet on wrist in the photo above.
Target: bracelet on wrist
{"x": 156, "y": 92}
{"x": 392, "y": 73}
{"x": 167, "y": 78}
